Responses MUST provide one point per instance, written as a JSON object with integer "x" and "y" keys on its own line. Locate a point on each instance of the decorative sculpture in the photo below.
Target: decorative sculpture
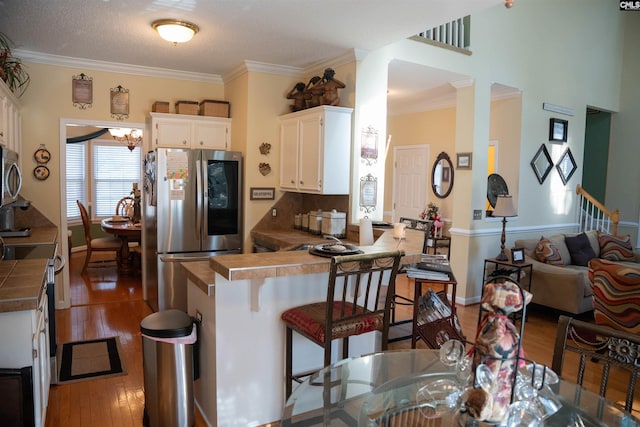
{"x": 331, "y": 86}
{"x": 300, "y": 97}
{"x": 316, "y": 90}
{"x": 319, "y": 91}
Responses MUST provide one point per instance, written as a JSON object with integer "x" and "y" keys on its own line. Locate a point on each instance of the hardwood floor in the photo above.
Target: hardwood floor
{"x": 104, "y": 305}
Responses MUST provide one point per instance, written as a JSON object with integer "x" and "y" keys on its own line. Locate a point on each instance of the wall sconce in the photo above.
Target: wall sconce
{"x": 175, "y": 31}
{"x": 129, "y": 137}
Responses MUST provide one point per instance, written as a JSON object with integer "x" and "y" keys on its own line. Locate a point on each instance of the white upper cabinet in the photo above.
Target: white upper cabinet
{"x": 315, "y": 150}
{"x": 186, "y": 131}
{"x": 10, "y": 119}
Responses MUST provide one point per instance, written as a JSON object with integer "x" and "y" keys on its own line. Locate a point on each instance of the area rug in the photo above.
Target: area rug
{"x": 86, "y": 360}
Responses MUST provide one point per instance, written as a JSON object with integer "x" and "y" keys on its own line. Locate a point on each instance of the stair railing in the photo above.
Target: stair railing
{"x": 593, "y": 215}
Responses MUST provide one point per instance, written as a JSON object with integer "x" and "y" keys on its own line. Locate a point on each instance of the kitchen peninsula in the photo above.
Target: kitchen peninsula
{"x": 240, "y": 298}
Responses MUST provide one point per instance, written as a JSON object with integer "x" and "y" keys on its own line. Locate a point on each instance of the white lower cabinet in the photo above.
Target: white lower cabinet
{"x": 315, "y": 150}
{"x": 25, "y": 343}
{"x": 187, "y": 131}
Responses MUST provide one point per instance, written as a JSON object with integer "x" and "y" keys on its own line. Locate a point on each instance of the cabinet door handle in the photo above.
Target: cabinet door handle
{"x": 201, "y": 142}
{"x": 184, "y": 142}
{"x": 292, "y": 181}
{"x": 301, "y": 182}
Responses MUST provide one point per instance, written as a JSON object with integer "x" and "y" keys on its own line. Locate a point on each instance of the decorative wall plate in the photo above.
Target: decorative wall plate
{"x": 42, "y": 155}
{"x": 496, "y": 186}
{"x": 41, "y": 172}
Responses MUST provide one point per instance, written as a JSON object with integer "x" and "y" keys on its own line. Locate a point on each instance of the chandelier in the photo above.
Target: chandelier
{"x": 129, "y": 137}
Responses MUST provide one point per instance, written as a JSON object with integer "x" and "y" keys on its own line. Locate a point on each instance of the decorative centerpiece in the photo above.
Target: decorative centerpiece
{"x": 431, "y": 212}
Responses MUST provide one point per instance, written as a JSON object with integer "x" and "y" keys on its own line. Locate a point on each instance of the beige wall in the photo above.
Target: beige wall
{"x": 48, "y": 99}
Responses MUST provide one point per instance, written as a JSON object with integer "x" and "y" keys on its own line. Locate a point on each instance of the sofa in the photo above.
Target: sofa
{"x": 560, "y": 273}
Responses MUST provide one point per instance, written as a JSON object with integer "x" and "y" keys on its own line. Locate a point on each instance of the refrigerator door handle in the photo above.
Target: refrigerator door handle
{"x": 199, "y": 188}
{"x": 174, "y": 258}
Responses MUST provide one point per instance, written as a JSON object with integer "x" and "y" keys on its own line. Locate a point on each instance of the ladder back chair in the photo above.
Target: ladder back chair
{"x": 356, "y": 303}
{"x": 124, "y": 205}
{"x": 603, "y": 351}
{"x": 99, "y": 244}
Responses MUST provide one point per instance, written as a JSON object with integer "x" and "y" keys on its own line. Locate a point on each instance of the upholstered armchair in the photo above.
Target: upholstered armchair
{"x": 616, "y": 294}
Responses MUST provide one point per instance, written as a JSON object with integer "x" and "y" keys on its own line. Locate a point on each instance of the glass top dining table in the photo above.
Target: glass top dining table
{"x": 372, "y": 390}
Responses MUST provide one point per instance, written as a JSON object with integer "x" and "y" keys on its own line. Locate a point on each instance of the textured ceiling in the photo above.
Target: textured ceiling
{"x": 295, "y": 33}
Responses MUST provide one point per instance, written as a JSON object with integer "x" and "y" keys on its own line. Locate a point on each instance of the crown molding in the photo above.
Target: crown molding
{"x": 261, "y": 67}
{"x": 348, "y": 57}
{"x": 113, "y": 67}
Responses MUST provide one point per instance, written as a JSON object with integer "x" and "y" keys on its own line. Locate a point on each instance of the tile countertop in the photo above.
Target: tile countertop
{"x": 21, "y": 280}
{"x": 289, "y": 263}
{"x": 38, "y": 235}
{"x": 21, "y": 284}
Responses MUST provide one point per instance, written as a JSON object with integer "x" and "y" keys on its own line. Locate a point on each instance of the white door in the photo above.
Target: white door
{"x": 410, "y": 180}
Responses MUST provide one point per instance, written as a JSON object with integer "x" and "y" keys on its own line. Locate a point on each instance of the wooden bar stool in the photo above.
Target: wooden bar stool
{"x": 356, "y": 304}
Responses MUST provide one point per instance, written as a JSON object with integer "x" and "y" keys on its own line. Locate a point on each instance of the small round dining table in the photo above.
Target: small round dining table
{"x": 127, "y": 231}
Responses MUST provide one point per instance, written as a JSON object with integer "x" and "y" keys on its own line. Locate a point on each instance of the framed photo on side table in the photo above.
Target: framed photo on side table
{"x": 517, "y": 255}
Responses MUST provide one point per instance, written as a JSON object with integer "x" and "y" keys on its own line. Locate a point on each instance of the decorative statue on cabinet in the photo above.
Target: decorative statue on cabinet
{"x": 315, "y": 89}
{"x": 300, "y": 97}
{"x": 331, "y": 85}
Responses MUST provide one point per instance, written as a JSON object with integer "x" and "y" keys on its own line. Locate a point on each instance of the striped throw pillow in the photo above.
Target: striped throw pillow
{"x": 548, "y": 253}
{"x": 615, "y": 248}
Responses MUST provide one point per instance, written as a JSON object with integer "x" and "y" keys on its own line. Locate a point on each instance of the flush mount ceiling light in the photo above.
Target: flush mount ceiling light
{"x": 175, "y": 31}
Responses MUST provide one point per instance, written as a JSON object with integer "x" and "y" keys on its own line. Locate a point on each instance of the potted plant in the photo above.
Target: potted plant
{"x": 11, "y": 69}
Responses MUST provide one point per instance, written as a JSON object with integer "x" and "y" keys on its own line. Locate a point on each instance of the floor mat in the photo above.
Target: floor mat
{"x": 85, "y": 360}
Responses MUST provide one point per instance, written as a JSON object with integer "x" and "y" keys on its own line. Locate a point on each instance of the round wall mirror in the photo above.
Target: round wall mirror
{"x": 442, "y": 176}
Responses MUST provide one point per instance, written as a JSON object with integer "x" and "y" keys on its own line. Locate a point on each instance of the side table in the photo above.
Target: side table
{"x": 433, "y": 244}
{"x": 444, "y": 325}
{"x": 508, "y": 268}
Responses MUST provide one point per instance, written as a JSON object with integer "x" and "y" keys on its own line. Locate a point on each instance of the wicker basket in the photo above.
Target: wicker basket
{"x": 187, "y": 107}
{"x": 213, "y": 108}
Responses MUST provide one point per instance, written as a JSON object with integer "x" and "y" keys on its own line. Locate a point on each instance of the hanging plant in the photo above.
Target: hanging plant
{"x": 11, "y": 69}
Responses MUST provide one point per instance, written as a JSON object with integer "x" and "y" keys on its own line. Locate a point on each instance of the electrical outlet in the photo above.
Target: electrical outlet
{"x": 477, "y": 214}
{"x": 198, "y": 316}
{"x": 274, "y": 212}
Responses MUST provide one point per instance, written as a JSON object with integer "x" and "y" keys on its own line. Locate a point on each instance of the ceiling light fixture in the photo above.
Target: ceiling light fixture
{"x": 175, "y": 31}
{"x": 129, "y": 137}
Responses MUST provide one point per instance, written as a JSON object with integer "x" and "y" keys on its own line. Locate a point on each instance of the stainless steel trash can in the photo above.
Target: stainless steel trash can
{"x": 167, "y": 358}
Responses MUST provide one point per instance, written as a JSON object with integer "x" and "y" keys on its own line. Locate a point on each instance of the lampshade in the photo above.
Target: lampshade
{"x": 504, "y": 207}
{"x": 175, "y": 31}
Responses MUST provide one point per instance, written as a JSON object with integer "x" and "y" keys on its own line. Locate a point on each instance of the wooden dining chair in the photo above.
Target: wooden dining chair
{"x": 99, "y": 244}
{"x": 356, "y": 303}
{"x": 602, "y": 352}
{"x": 123, "y": 205}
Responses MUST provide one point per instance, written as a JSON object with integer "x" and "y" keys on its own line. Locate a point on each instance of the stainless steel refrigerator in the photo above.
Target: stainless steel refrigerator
{"x": 192, "y": 210}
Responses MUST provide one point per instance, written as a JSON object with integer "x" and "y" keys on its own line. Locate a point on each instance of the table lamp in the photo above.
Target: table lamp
{"x": 504, "y": 208}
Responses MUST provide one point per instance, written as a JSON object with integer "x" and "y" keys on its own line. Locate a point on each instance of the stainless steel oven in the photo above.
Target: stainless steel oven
{"x": 55, "y": 264}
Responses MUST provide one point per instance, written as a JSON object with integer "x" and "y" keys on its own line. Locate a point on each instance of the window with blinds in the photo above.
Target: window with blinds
{"x": 99, "y": 173}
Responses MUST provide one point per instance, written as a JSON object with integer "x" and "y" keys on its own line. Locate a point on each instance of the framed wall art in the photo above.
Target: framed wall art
{"x": 119, "y": 103}
{"x": 369, "y": 145}
{"x": 262, "y": 193}
{"x": 541, "y": 163}
{"x": 566, "y": 166}
{"x": 463, "y": 161}
{"x": 558, "y": 130}
{"x": 368, "y": 193}
{"x": 82, "y": 91}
